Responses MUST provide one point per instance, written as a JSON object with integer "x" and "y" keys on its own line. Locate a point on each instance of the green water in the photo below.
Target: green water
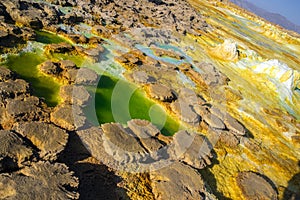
{"x": 119, "y": 101}
{"x": 48, "y": 38}
{"x": 129, "y": 101}
{"x": 115, "y": 100}
{"x": 25, "y": 65}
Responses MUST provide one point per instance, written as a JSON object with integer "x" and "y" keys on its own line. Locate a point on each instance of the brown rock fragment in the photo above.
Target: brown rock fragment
{"x": 59, "y": 48}
{"x": 74, "y": 94}
{"x": 185, "y": 112}
{"x": 13, "y": 151}
{"x": 254, "y": 186}
{"x": 178, "y": 181}
{"x": 193, "y": 149}
{"x": 39, "y": 181}
{"x": 5, "y": 74}
{"x": 49, "y": 139}
{"x": 69, "y": 117}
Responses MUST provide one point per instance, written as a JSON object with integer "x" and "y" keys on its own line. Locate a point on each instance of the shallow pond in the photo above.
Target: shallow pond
{"x": 25, "y": 65}
{"x": 119, "y": 101}
{"x": 116, "y": 100}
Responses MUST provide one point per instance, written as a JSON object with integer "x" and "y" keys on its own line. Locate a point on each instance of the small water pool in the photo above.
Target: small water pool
{"x": 25, "y": 65}
{"x": 117, "y": 100}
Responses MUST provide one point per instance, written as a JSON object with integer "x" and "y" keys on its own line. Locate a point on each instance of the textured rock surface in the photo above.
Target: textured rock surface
{"x": 50, "y": 68}
{"x": 69, "y": 117}
{"x": 40, "y": 181}
{"x": 67, "y": 72}
{"x": 120, "y": 143}
{"x": 31, "y": 15}
{"x": 93, "y": 52}
{"x": 232, "y": 124}
{"x": 143, "y": 128}
{"x": 49, "y": 139}
{"x": 5, "y": 74}
{"x": 254, "y": 186}
{"x": 23, "y": 176}
{"x": 13, "y": 36}
{"x": 13, "y": 88}
{"x": 213, "y": 121}
{"x": 228, "y": 138}
{"x": 87, "y": 77}
{"x": 185, "y": 111}
{"x": 178, "y": 181}
{"x": 13, "y": 151}
{"x": 117, "y": 146}
{"x": 28, "y": 109}
{"x": 75, "y": 94}
{"x": 59, "y": 48}
{"x": 142, "y": 77}
{"x": 196, "y": 152}
{"x": 230, "y": 94}
{"x": 161, "y": 92}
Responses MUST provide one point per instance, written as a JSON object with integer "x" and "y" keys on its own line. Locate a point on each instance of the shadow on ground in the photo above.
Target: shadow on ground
{"x": 96, "y": 181}
{"x": 292, "y": 192}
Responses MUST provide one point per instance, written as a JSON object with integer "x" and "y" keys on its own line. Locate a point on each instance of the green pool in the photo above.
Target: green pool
{"x": 115, "y": 100}
{"x": 25, "y": 64}
{"x": 119, "y": 101}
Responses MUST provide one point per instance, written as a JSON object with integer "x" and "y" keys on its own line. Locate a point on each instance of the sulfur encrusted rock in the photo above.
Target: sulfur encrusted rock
{"x": 59, "y": 48}
{"x": 67, "y": 64}
{"x": 5, "y": 74}
{"x": 13, "y": 88}
{"x": 28, "y": 109}
{"x": 50, "y": 68}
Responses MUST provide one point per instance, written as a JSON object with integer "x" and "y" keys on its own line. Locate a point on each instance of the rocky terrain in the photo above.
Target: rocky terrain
{"x": 220, "y": 88}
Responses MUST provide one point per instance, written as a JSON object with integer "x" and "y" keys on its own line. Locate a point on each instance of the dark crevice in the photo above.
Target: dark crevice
{"x": 8, "y": 165}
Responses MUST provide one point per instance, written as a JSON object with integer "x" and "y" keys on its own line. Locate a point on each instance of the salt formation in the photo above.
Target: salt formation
{"x": 279, "y": 74}
{"x": 226, "y": 51}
